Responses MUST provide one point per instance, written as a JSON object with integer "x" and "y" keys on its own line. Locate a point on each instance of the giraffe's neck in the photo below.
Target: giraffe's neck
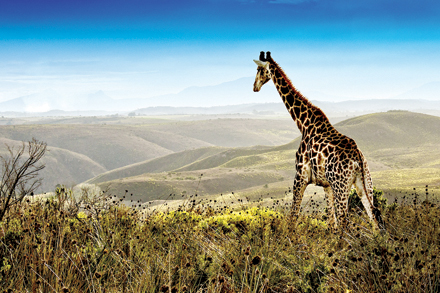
{"x": 307, "y": 116}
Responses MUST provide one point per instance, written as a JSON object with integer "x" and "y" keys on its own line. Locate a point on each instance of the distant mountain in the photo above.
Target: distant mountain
{"x": 51, "y": 101}
{"x": 229, "y": 97}
{"x": 97, "y": 101}
{"x": 332, "y": 109}
{"x": 14, "y": 105}
{"x": 429, "y": 91}
{"x": 262, "y": 109}
{"x": 39, "y": 102}
{"x": 377, "y": 105}
{"x": 228, "y": 93}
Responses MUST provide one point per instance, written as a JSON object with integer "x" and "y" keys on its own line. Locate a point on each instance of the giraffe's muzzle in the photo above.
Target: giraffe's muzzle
{"x": 257, "y": 87}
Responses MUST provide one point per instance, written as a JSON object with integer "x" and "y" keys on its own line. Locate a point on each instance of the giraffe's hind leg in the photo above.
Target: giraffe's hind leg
{"x": 330, "y": 207}
{"x": 366, "y": 197}
{"x": 341, "y": 192}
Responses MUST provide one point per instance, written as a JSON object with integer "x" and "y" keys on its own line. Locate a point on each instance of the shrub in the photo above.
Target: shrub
{"x": 355, "y": 203}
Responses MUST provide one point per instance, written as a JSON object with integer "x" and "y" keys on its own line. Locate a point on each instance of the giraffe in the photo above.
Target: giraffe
{"x": 325, "y": 157}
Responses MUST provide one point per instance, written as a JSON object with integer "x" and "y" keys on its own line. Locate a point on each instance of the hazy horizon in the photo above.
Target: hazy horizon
{"x": 140, "y": 49}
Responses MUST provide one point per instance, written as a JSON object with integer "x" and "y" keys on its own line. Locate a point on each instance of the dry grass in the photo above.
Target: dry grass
{"x": 95, "y": 244}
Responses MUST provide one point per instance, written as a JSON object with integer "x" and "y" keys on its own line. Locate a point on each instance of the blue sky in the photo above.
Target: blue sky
{"x": 138, "y": 48}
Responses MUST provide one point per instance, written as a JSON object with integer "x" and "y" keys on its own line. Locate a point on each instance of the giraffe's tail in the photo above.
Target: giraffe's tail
{"x": 368, "y": 188}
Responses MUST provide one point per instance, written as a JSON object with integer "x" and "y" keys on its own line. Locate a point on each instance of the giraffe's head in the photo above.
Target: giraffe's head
{"x": 263, "y": 72}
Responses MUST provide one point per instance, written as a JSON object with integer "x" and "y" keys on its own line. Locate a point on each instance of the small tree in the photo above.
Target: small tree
{"x": 20, "y": 173}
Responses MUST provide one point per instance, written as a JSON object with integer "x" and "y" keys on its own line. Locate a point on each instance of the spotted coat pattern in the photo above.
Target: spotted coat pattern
{"x": 325, "y": 157}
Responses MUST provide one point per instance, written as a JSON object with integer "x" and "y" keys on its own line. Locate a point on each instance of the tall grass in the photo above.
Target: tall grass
{"x": 62, "y": 244}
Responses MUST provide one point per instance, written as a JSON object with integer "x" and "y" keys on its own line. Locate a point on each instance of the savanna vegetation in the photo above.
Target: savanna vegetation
{"x": 90, "y": 242}
{"x": 179, "y": 227}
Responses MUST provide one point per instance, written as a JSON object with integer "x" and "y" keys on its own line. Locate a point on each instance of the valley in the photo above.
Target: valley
{"x": 81, "y": 148}
{"x": 226, "y": 159}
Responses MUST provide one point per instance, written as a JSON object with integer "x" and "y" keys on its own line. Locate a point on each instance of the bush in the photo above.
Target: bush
{"x": 355, "y": 203}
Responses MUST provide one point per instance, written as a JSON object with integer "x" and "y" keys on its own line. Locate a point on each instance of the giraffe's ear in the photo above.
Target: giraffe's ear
{"x": 261, "y": 63}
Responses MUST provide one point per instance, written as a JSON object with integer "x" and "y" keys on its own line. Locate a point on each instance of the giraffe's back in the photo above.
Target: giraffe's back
{"x": 332, "y": 155}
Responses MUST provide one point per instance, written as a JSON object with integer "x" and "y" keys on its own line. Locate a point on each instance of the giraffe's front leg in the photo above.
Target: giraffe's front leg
{"x": 299, "y": 186}
{"x": 302, "y": 179}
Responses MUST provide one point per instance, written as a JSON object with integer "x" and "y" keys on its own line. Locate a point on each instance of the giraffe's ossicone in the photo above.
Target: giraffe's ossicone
{"x": 325, "y": 157}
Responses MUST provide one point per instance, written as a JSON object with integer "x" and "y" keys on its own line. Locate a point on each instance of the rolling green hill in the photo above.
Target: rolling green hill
{"x": 162, "y": 164}
{"x": 393, "y": 129}
{"x": 108, "y": 143}
{"x": 109, "y": 146}
{"x": 62, "y": 166}
{"x": 392, "y": 142}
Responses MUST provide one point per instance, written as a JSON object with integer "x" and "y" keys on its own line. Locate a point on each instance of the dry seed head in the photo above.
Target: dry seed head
{"x": 256, "y": 260}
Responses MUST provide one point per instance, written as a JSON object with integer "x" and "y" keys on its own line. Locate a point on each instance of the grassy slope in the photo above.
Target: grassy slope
{"x": 114, "y": 145}
{"x": 393, "y": 143}
{"x": 72, "y": 167}
{"x": 109, "y": 146}
{"x": 394, "y": 129}
{"x": 234, "y": 132}
{"x": 114, "y": 142}
{"x": 214, "y": 181}
{"x": 162, "y": 164}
